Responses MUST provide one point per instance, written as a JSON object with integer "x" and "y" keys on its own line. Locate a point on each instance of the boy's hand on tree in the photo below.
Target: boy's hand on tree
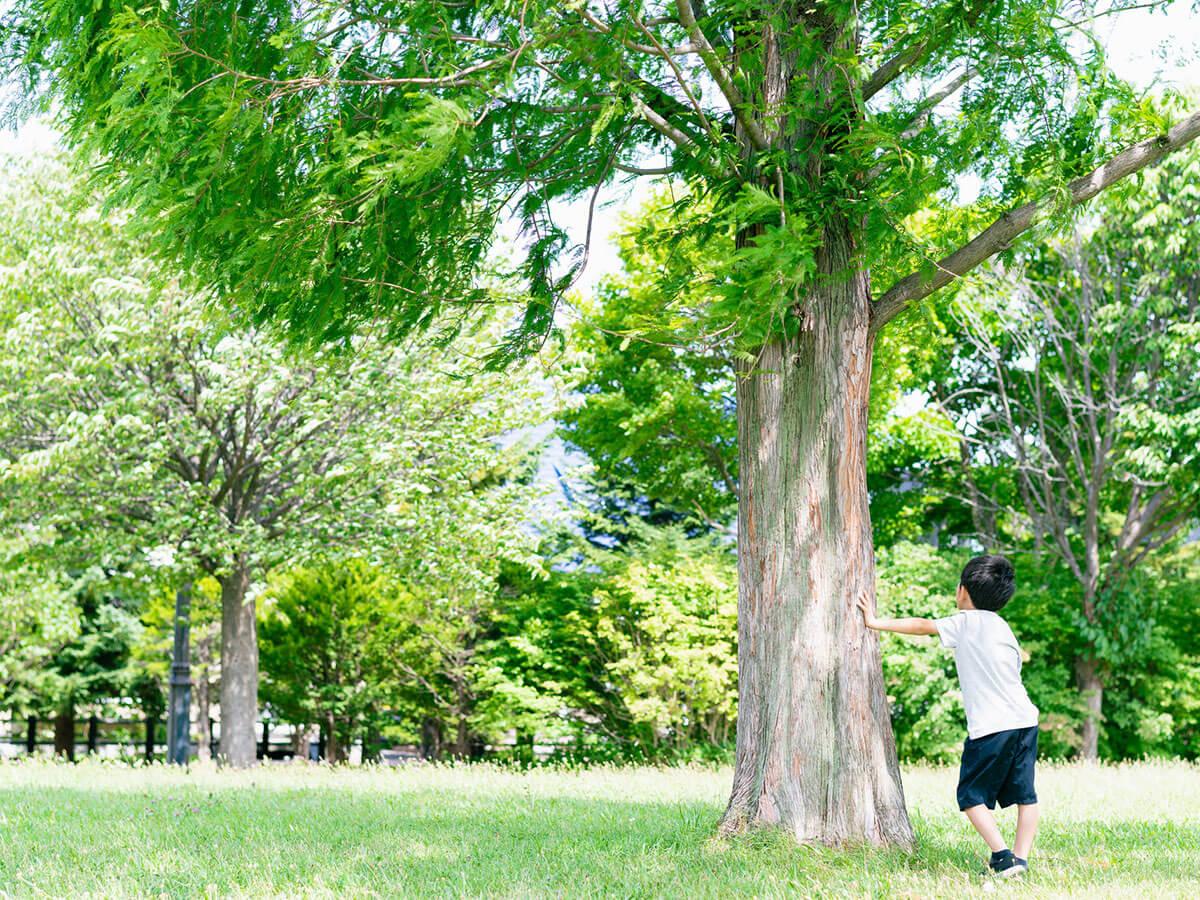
{"x": 864, "y": 603}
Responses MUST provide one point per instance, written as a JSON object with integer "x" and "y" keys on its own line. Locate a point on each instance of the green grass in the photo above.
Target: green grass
{"x": 107, "y": 830}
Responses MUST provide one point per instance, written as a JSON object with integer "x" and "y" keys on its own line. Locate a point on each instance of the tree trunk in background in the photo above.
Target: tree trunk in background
{"x": 31, "y": 735}
{"x": 431, "y": 738}
{"x": 462, "y": 737}
{"x": 151, "y": 725}
{"x": 239, "y": 670}
{"x": 203, "y": 713}
{"x": 334, "y": 745}
{"x": 93, "y": 733}
{"x": 1091, "y": 692}
{"x": 64, "y": 730}
{"x": 815, "y": 750}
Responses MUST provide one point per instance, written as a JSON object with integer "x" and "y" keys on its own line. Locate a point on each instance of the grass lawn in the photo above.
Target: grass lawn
{"x": 107, "y": 830}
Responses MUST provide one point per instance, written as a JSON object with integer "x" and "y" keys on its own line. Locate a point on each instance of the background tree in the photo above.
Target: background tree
{"x": 157, "y": 425}
{"x": 38, "y": 617}
{"x": 1082, "y": 380}
{"x": 656, "y": 416}
{"x": 380, "y": 145}
{"x": 95, "y": 666}
{"x": 322, "y": 631}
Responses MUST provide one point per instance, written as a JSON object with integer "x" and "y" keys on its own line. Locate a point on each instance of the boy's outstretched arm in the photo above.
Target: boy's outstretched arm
{"x": 900, "y": 626}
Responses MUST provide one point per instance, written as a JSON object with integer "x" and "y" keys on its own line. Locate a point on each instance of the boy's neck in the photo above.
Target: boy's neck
{"x": 963, "y": 599}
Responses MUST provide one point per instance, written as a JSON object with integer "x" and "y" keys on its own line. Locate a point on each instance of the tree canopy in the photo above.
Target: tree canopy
{"x": 327, "y": 165}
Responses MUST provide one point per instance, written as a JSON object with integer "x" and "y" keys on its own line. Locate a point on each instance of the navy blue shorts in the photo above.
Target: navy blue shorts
{"x": 998, "y": 768}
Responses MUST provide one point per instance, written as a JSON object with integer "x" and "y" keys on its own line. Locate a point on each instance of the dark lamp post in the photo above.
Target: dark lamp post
{"x": 179, "y": 737}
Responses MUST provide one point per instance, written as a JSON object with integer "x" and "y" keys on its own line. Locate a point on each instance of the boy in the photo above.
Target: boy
{"x": 1001, "y": 746}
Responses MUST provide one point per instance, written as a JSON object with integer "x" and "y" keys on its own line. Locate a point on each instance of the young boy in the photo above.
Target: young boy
{"x": 1001, "y": 746}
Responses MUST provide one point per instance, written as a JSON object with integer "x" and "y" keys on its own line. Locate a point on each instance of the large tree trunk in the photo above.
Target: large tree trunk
{"x": 1091, "y": 692}
{"x": 239, "y": 670}
{"x": 815, "y": 750}
{"x": 431, "y": 738}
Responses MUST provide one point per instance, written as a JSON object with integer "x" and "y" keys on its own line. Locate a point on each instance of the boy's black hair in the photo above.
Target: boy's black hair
{"x": 990, "y": 582}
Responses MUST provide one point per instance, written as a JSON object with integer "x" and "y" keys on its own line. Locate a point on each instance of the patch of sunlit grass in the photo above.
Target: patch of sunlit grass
{"x": 103, "y": 829}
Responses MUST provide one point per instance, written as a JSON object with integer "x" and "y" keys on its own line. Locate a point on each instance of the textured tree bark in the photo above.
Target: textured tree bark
{"x": 815, "y": 750}
{"x": 64, "y": 730}
{"x": 239, "y": 670}
{"x": 1091, "y": 692}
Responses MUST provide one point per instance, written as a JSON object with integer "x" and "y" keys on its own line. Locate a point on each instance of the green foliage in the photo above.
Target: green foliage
{"x": 328, "y": 168}
{"x": 666, "y": 622}
{"x": 632, "y": 650}
{"x": 97, "y": 665}
{"x": 38, "y": 617}
{"x": 322, "y": 634}
{"x": 922, "y": 686}
{"x": 656, "y": 415}
{"x": 157, "y": 425}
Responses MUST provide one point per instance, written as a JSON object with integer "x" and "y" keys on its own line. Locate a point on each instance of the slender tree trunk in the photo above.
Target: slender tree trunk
{"x": 462, "y": 739}
{"x": 333, "y": 743}
{"x": 1091, "y": 692}
{"x": 431, "y": 738}
{"x": 203, "y": 712}
{"x": 31, "y": 736}
{"x": 64, "y": 730}
{"x": 151, "y": 725}
{"x": 815, "y": 750}
{"x": 239, "y": 669}
{"x": 93, "y": 733}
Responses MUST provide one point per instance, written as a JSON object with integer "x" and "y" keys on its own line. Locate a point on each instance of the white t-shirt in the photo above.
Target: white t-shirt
{"x": 989, "y": 671}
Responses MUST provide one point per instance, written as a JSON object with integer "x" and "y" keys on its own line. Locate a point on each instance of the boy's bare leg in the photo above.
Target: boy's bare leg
{"x": 1027, "y": 822}
{"x": 985, "y": 823}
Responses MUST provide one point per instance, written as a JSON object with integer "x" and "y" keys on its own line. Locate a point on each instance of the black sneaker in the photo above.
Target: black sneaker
{"x": 1006, "y": 865}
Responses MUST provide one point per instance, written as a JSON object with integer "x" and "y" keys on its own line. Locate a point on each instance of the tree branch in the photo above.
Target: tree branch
{"x": 635, "y": 170}
{"x": 721, "y": 75}
{"x": 1001, "y": 233}
{"x": 921, "y": 115}
{"x": 900, "y": 62}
